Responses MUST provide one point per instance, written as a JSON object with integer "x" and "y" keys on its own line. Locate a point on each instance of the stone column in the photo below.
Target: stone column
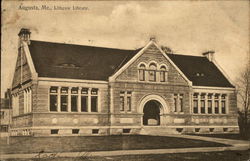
{"x": 178, "y": 108}
{"x": 79, "y": 99}
{"x": 220, "y": 110}
{"x": 199, "y": 103}
{"x": 213, "y": 110}
{"x": 98, "y": 100}
{"x": 69, "y": 99}
{"x": 89, "y": 99}
{"x": 206, "y": 104}
{"x": 59, "y": 99}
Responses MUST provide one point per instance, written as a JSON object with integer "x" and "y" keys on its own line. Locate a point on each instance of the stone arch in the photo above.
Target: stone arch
{"x": 164, "y": 107}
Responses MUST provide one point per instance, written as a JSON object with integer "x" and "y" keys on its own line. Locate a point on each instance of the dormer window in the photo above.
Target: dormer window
{"x": 152, "y": 72}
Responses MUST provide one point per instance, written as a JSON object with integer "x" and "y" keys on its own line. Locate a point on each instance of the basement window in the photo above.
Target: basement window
{"x": 197, "y": 129}
{"x": 126, "y": 131}
{"x": 179, "y": 130}
{"x": 211, "y": 129}
{"x": 75, "y": 131}
{"x": 54, "y": 131}
{"x": 225, "y": 129}
{"x": 95, "y": 131}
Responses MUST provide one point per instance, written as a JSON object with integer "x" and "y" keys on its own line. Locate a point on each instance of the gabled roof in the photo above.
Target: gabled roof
{"x": 58, "y": 60}
{"x": 200, "y": 71}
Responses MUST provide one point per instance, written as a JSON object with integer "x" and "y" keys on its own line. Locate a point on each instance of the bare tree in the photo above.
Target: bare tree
{"x": 243, "y": 91}
{"x": 167, "y": 49}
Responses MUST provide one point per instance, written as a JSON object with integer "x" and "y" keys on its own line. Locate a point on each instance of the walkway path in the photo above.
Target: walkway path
{"x": 235, "y": 145}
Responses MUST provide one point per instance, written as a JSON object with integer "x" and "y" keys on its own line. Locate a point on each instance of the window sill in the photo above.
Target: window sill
{"x": 65, "y": 112}
{"x": 178, "y": 112}
{"x": 210, "y": 114}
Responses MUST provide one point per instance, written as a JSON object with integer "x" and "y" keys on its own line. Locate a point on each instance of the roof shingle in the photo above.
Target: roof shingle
{"x": 200, "y": 71}
{"x": 59, "y": 60}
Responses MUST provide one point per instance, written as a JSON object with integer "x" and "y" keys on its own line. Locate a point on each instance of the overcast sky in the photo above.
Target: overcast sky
{"x": 188, "y": 27}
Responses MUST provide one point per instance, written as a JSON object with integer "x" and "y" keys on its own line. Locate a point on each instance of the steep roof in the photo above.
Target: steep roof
{"x": 58, "y": 60}
{"x": 200, "y": 71}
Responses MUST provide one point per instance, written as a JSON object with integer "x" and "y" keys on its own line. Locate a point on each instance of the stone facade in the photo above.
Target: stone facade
{"x": 112, "y": 117}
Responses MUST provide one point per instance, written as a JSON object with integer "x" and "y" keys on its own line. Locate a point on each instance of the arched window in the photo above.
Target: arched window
{"x": 152, "y": 72}
{"x": 142, "y": 69}
{"x": 163, "y": 73}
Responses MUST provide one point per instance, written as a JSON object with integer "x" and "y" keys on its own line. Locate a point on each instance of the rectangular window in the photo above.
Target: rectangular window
{"x": 84, "y": 103}
{"x": 4, "y": 128}
{"x": 74, "y": 90}
{"x": 142, "y": 75}
{"x": 122, "y": 95}
{"x": 64, "y": 102}
{"x": 181, "y": 102}
{"x": 53, "y": 102}
{"x": 95, "y": 131}
{"x": 94, "y": 91}
{"x": 129, "y": 103}
{"x": 84, "y": 91}
{"x": 53, "y": 98}
{"x": 162, "y": 76}
{"x": 126, "y": 131}
{"x": 223, "y": 107}
{"x": 216, "y": 106}
{"x": 152, "y": 75}
{"x": 121, "y": 103}
{"x": 195, "y": 106}
{"x": 75, "y": 131}
{"x": 93, "y": 103}
{"x": 74, "y": 103}
{"x": 175, "y": 103}
{"x": 53, "y": 90}
{"x": 64, "y": 90}
{"x": 209, "y": 104}
{"x": 54, "y": 131}
{"x": 202, "y": 106}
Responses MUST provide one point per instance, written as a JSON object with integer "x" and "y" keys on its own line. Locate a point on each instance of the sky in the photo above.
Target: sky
{"x": 187, "y": 27}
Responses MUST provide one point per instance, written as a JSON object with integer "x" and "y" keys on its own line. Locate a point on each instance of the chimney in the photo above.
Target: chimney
{"x": 209, "y": 54}
{"x": 24, "y": 35}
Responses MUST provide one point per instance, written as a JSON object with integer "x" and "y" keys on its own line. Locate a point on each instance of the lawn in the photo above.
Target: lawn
{"x": 225, "y": 136}
{"x": 202, "y": 156}
{"x": 98, "y": 143}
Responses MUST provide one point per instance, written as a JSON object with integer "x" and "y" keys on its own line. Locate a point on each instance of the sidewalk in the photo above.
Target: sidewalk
{"x": 235, "y": 145}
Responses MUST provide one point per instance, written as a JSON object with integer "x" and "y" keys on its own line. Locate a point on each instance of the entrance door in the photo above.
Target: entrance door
{"x": 151, "y": 113}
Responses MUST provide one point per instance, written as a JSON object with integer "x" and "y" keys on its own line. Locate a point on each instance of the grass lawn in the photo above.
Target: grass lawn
{"x": 202, "y": 156}
{"x": 98, "y": 143}
{"x": 225, "y": 136}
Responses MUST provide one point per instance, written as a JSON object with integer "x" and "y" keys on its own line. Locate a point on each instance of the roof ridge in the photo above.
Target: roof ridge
{"x": 101, "y": 47}
{"x": 187, "y": 55}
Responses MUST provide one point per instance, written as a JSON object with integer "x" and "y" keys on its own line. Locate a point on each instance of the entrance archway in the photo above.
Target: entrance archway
{"x": 151, "y": 113}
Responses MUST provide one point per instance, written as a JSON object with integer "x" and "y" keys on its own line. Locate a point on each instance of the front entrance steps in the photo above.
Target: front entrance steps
{"x": 158, "y": 130}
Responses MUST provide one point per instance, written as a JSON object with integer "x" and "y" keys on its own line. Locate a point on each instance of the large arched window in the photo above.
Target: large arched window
{"x": 152, "y": 72}
{"x": 142, "y": 69}
{"x": 163, "y": 73}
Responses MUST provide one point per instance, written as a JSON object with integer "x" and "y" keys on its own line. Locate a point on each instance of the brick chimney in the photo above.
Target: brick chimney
{"x": 209, "y": 54}
{"x": 24, "y": 35}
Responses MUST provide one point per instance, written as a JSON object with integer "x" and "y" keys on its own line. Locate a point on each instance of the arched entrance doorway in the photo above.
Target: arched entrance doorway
{"x": 151, "y": 113}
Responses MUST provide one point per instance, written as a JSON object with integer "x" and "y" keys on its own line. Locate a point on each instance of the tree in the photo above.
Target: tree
{"x": 243, "y": 91}
{"x": 167, "y": 49}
